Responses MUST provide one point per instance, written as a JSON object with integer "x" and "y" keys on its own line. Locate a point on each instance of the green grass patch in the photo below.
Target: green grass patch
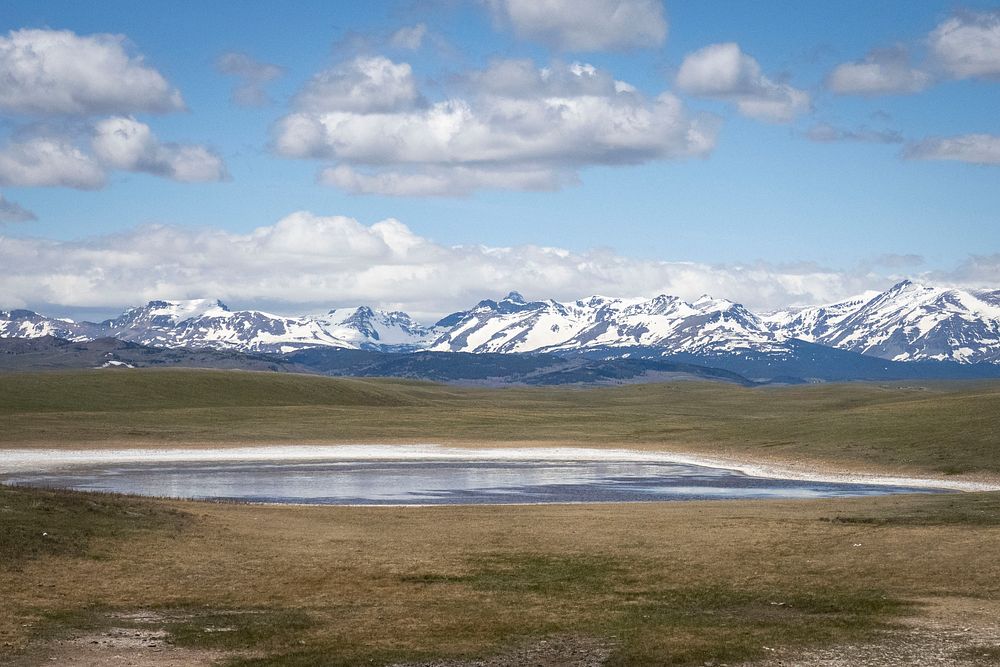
{"x": 36, "y": 523}
{"x": 953, "y": 509}
{"x": 534, "y": 573}
{"x": 717, "y": 624}
{"x": 649, "y": 624}
{"x": 238, "y": 630}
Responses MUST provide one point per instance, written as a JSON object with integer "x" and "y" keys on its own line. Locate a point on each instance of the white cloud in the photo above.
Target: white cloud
{"x": 409, "y": 37}
{"x": 521, "y": 128}
{"x": 306, "y": 262}
{"x": 882, "y": 72}
{"x": 367, "y": 84}
{"x": 49, "y": 161}
{"x": 13, "y": 212}
{"x": 125, "y": 143}
{"x": 724, "y": 72}
{"x": 441, "y": 181}
{"x": 58, "y": 71}
{"x": 585, "y": 25}
{"x": 968, "y": 45}
{"x": 826, "y": 133}
{"x": 253, "y": 76}
{"x": 972, "y": 148}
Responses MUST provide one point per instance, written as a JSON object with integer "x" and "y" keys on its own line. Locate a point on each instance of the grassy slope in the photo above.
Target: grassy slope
{"x": 944, "y": 427}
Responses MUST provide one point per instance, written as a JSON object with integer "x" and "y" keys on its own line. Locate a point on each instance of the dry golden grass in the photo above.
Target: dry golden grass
{"x": 672, "y": 583}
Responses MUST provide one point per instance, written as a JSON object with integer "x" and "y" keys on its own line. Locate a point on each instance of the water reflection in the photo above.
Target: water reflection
{"x": 375, "y": 482}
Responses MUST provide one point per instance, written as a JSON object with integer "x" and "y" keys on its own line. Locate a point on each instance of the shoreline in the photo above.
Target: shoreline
{"x": 15, "y": 460}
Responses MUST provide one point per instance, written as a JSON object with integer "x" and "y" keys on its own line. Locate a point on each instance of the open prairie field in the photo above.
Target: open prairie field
{"x": 641, "y": 584}
{"x": 908, "y": 579}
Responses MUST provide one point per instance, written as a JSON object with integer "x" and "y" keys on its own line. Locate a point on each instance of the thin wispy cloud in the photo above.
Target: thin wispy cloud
{"x": 253, "y": 77}
{"x": 13, "y": 212}
{"x": 410, "y": 37}
{"x": 972, "y": 148}
{"x": 827, "y": 133}
{"x": 584, "y": 25}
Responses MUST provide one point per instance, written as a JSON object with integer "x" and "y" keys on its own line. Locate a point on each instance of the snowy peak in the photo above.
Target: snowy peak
{"x": 29, "y": 324}
{"x": 907, "y": 322}
{"x": 366, "y": 328}
{"x": 161, "y": 313}
{"x": 666, "y": 323}
{"x": 514, "y": 297}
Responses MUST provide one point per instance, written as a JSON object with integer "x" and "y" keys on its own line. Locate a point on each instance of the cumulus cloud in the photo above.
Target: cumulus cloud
{"x": 724, "y": 72}
{"x": 49, "y": 161}
{"x": 125, "y": 143}
{"x": 116, "y": 143}
{"x": 409, "y": 37}
{"x": 881, "y": 72}
{"x": 366, "y": 84}
{"x": 585, "y": 25}
{"x": 253, "y": 77}
{"x": 827, "y": 133}
{"x": 968, "y": 45}
{"x": 520, "y": 127}
{"x": 307, "y": 261}
{"x": 972, "y": 148}
{"x": 13, "y": 212}
{"x": 60, "y": 72}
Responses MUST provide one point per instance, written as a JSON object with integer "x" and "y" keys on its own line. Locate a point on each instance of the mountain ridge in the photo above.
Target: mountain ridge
{"x": 908, "y": 322}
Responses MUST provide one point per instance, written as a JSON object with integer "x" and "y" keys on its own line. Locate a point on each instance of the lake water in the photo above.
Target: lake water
{"x": 436, "y": 482}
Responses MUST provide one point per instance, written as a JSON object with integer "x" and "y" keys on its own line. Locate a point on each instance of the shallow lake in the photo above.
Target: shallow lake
{"x": 422, "y": 482}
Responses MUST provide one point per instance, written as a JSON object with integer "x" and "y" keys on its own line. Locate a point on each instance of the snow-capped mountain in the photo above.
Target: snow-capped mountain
{"x": 366, "y": 328}
{"x": 908, "y": 322}
{"x": 813, "y": 322}
{"x": 29, "y": 324}
{"x": 205, "y": 323}
{"x": 665, "y": 323}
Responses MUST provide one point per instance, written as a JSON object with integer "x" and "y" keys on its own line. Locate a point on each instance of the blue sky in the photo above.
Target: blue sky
{"x": 905, "y": 182}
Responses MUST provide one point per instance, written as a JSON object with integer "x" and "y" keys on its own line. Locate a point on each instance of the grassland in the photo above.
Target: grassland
{"x": 914, "y": 427}
{"x": 657, "y": 583}
{"x": 660, "y": 583}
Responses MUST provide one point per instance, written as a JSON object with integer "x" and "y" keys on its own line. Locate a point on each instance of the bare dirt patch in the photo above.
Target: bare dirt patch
{"x": 124, "y": 646}
{"x": 958, "y": 632}
{"x": 560, "y": 651}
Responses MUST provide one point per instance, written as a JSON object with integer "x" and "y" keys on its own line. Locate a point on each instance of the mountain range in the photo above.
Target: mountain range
{"x": 907, "y": 324}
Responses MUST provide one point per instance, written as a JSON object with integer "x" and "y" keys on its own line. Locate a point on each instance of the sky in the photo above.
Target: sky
{"x": 425, "y": 155}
